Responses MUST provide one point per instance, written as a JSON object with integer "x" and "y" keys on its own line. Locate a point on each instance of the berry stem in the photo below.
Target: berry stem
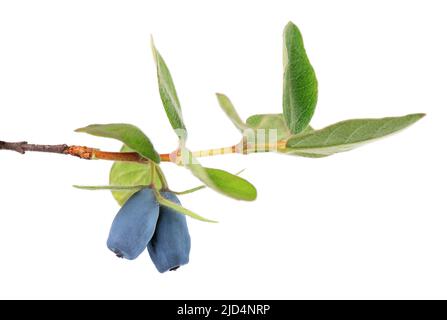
{"x": 161, "y": 176}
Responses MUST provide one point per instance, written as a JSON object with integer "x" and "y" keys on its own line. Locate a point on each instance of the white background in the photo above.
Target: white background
{"x": 370, "y": 223}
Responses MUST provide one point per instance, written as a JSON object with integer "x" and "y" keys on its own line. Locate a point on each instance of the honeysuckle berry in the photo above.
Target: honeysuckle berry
{"x": 142, "y": 223}
{"x": 170, "y": 246}
{"x": 134, "y": 225}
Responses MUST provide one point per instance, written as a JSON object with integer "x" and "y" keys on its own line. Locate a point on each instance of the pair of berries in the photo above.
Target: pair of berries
{"x": 143, "y": 223}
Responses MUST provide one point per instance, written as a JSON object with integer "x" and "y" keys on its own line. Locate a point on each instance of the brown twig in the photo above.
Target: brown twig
{"x": 77, "y": 151}
{"x": 23, "y": 146}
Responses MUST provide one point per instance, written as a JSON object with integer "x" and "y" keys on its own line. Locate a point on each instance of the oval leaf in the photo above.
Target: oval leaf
{"x": 230, "y": 111}
{"x": 191, "y": 190}
{"x": 347, "y": 135}
{"x": 231, "y": 185}
{"x": 300, "y": 86}
{"x": 129, "y": 134}
{"x": 130, "y": 174}
{"x": 168, "y": 95}
{"x": 219, "y": 180}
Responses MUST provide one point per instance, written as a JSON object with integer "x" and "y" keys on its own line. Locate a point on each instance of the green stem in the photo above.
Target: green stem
{"x": 152, "y": 165}
{"x": 179, "y": 193}
{"x": 179, "y": 209}
{"x": 242, "y": 148}
{"x": 161, "y": 176}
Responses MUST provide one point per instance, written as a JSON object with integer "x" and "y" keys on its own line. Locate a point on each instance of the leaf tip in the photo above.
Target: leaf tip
{"x": 415, "y": 116}
{"x": 84, "y": 129}
{"x": 420, "y": 115}
{"x": 221, "y": 97}
{"x": 290, "y": 27}
{"x": 290, "y": 24}
{"x": 152, "y": 41}
{"x": 153, "y": 48}
{"x": 211, "y": 221}
{"x": 254, "y": 196}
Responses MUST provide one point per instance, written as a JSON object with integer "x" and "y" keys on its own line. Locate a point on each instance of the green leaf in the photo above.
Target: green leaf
{"x": 180, "y": 209}
{"x": 347, "y": 135}
{"x": 300, "y": 86}
{"x": 191, "y": 190}
{"x": 231, "y": 185}
{"x": 168, "y": 94}
{"x": 231, "y": 112}
{"x": 219, "y": 180}
{"x": 129, "y": 134}
{"x": 130, "y": 174}
{"x": 268, "y": 122}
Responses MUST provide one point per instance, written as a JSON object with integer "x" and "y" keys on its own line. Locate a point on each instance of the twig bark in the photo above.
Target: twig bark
{"x": 92, "y": 153}
{"x": 23, "y": 146}
{"x": 77, "y": 151}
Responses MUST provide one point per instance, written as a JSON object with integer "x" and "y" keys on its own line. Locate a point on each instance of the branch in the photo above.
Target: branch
{"x": 92, "y": 153}
{"x": 23, "y": 146}
{"x": 76, "y": 151}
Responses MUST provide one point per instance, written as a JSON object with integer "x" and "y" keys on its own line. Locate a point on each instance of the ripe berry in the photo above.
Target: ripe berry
{"x": 134, "y": 225}
{"x": 170, "y": 246}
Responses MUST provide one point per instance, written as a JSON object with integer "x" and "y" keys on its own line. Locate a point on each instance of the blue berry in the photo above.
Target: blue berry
{"x": 134, "y": 225}
{"x": 169, "y": 247}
